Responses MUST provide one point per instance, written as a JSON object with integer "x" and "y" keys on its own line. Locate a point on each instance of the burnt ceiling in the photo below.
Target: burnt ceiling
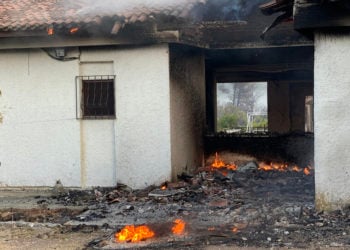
{"x": 283, "y": 63}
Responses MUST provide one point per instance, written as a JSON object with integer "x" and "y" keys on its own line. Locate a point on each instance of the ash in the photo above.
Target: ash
{"x": 220, "y": 207}
{"x": 223, "y": 207}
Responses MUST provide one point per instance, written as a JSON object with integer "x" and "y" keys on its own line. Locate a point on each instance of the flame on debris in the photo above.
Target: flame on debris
{"x": 50, "y": 31}
{"x": 296, "y": 169}
{"x": 307, "y": 171}
{"x": 179, "y": 227}
{"x": 218, "y": 163}
{"x": 131, "y": 233}
{"x": 273, "y": 166}
{"x": 235, "y": 230}
{"x": 283, "y": 167}
{"x": 73, "y": 30}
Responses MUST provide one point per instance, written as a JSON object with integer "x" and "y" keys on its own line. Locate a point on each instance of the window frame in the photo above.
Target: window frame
{"x": 80, "y": 97}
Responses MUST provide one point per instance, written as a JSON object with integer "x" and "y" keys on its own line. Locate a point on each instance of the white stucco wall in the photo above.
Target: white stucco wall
{"x": 39, "y": 133}
{"x": 97, "y": 137}
{"x": 42, "y": 141}
{"x": 143, "y": 116}
{"x": 332, "y": 121}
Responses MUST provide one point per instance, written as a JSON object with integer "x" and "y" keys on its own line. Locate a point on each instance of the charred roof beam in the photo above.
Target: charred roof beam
{"x": 322, "y": 14}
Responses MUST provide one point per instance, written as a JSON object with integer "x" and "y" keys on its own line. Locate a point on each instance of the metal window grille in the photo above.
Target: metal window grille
{"x": 97, "y": 99}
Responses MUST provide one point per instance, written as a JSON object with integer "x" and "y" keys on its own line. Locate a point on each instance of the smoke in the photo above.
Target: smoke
{"x": 202, "y": 10}
{"x": 111, "y": 7}
{"x": 115, "y": 14}
{"x": 230, "y": 9}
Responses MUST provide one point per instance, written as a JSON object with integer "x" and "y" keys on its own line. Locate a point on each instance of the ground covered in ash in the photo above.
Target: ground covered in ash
{"x": 251, "y": 208}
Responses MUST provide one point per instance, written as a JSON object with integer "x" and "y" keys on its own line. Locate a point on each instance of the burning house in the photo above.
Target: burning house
{"x": 97, "y": 94}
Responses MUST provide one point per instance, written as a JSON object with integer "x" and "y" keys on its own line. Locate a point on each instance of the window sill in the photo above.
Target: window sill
{"x": 99, "y": 117}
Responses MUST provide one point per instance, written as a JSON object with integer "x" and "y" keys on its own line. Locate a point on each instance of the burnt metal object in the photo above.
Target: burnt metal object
{"x": 274, "y": 6}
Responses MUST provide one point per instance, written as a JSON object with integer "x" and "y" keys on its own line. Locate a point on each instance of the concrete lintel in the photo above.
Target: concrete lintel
{"x": 47, "y": 42}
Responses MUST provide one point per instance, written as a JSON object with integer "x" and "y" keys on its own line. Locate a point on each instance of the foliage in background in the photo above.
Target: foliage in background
{"x": 241, "y": 98}
{"x": 230, "y": 117}
{"x": 242, "y": 95}
{"x": 260, "y": 122}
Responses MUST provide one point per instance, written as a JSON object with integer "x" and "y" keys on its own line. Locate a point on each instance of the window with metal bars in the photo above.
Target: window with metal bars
{"x": 97, "y": 97}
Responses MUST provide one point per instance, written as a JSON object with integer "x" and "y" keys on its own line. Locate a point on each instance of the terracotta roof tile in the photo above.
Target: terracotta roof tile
{"x": 27, "y": 14}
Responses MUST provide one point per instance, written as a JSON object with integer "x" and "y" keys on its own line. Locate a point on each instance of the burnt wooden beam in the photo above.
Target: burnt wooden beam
{"x": 241, "y": 35}
{"x": 267, "y": 59}
{"x": 36, "y": 33}
{"x": 301, "y": 75}
{"x": 268, "y": 68}
{"x": 321, "y": 15}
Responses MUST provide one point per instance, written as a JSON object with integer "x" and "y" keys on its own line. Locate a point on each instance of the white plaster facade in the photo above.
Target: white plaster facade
{"x": 332, "y": 121}
{"x": 42, "y": 141}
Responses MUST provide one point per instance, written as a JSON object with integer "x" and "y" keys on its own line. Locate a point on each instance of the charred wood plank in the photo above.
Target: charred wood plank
{"x": 321, "y": 15}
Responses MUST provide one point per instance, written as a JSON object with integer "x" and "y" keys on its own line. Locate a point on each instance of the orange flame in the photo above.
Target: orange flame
{"x": 134, "y": 234}
{"x": 307, "y": 171}
{"x": 179, "y": 227}
{"x": 163, "y": 187}
{"x": 50, "y": 31}
{"x": 232, "y": 167}
{"x": 273, "y": 166}
{"x": 235, "y": 230}
{"x": 218, "y": 163}
{"x": 296, "y": 169}
{"x": 282, "y": 167}
{"x": 265, "y": 167}
{"x": 73, "y": 30}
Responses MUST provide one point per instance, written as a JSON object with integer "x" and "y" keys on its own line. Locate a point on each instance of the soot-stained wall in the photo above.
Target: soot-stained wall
{"x": 286, "y": 105}
{"x": 187, "y": 102}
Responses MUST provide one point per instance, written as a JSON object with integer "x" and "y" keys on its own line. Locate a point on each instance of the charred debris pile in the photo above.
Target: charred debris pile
{"x": 250, "y": 204}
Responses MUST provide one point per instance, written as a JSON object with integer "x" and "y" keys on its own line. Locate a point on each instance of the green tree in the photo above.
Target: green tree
{"x": 260, "y": 122}
{"x": 230, "y": 117}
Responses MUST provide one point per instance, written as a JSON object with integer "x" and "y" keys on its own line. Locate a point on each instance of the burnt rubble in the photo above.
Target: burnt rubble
{"x": 220, "y": 207}
{"x": 252, "y": 208}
